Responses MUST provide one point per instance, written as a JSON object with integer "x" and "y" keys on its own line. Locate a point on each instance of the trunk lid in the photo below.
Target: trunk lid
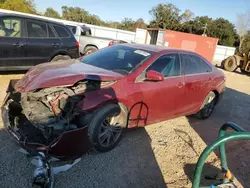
{"x": 62, "y": 73}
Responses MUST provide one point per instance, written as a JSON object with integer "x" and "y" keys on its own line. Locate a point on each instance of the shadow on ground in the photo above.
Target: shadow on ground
{"x": 234, "y": 107}
{"x": 13, "y": 72}
{"x": 237, "y": 71}
{"x": 132, "y": 164}
{"x": 210, "y": 172}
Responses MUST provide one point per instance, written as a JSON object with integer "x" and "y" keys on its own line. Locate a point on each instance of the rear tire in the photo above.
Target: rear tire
{"x": 105, "y": 128}
{"x": 89, "y": 50}
{"x": 230, "y": 64}
{"x": 208, "y": 106}
{"x": 60, "y": 57}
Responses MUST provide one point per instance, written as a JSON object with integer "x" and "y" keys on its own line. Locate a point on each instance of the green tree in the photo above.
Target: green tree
{"x": 219, "y": 28}
{"x": 127, "y": 24}
{"x": 26, "y": 6}
{"x": 74, "y": 14}
{"x": 139, "y": 23}
{"x": 94, "y": 19}
{"x": 224, "y": 30}
{"x": 50, "y": 12}
{"x": 78, "y": 14}
{"x": 165, "y": 16}
{"x": 196, "y": 26}
{"x": 113, "y": 24}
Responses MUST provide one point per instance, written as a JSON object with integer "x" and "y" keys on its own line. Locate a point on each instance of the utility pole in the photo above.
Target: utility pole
{"x": 205, "y": 29}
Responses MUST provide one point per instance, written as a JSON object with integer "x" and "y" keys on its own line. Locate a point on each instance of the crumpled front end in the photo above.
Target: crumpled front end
{"x": 49, "y": 120}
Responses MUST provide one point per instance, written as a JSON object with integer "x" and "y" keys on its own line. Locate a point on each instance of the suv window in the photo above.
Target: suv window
{"x": 36, "y": 29}
{"x": 168, "y": 65}
{"x": 10, "y": 27}
{"x": 72, "y": 28}
{"x": 193, "y": 64}
{"x": 51, "y": 32}
{"x": 61, "y": 31}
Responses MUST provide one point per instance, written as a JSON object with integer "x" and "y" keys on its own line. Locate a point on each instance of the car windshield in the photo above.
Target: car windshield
{"x": 118, "y": 58}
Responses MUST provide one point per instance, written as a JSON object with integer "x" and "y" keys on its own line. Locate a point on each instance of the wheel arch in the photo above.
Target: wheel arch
{"x": 89, "y": 45}
{"x": 217, "y": 96}
{"x": 60, "y": 53}
{"x": 123, "y": 107}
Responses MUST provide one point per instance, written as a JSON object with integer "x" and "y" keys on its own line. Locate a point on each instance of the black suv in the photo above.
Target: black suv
{"x": 26, "y": 41}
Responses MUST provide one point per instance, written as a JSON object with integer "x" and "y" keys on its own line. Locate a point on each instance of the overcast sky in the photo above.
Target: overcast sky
{"x": 116, "y": 10}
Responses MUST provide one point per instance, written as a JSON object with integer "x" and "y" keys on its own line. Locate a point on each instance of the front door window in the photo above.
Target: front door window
{"x": 10, "y": 27}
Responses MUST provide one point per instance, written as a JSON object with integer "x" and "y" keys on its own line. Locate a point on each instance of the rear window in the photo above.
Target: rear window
{"x": 118, "y": 58}
{"x": 61, "y": 31}
{"x": 36, "y": 29}
{"x": 72, "y": 28}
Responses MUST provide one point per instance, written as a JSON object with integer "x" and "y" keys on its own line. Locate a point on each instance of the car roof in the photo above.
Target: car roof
{"x": 155, "y": 48}
{"x": 30, "y": 17}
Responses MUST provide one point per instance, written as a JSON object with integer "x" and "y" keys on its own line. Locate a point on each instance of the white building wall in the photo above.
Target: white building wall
{"x": 221, "y": 53}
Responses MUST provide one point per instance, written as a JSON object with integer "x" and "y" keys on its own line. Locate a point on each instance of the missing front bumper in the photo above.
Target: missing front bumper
{"x": 70, "y": 144}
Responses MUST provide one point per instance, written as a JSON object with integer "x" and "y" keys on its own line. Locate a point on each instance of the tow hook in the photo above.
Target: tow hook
{"x": 43, "y": 175}
{"x": 46, "y": 167}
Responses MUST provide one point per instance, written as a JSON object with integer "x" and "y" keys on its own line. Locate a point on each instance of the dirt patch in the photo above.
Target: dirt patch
{"x": 161, "y": 155}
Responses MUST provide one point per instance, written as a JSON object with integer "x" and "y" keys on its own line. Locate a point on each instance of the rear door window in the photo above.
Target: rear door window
{"x": 190, "y": 65}
{"x": 61, "y": 31}
{"x": 206, "y": 67}
{"x": 36, "y": 29}
{"x": 193, "y": 64}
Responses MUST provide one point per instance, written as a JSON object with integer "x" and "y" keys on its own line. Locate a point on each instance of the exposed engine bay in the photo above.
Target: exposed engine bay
{"x": 43, "y": 115}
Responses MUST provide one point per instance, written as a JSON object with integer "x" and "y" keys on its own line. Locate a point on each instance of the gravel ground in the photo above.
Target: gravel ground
{"x": 161, "y": 155}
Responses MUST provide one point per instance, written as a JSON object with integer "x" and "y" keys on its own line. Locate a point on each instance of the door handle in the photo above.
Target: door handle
{"x": 180, "y": 84}
{"x": 55, "y": 44}
{"x": 18, "y": 45}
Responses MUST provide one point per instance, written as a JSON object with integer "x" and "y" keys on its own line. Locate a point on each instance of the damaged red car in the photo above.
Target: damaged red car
{"x": 61, "y": 108}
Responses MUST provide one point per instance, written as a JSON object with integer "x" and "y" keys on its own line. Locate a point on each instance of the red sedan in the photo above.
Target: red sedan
{"x": 57, "y": 108}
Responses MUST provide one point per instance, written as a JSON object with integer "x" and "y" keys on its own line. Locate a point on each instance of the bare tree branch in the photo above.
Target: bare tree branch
{"x": 243, "y": 25}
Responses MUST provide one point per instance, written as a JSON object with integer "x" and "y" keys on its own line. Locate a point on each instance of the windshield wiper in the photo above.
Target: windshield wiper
{"x": 121, "y": 71}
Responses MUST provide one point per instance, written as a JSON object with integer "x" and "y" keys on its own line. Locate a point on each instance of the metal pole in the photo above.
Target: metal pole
{"x": 212, "y": 147}
{"x": 205, "y": 29}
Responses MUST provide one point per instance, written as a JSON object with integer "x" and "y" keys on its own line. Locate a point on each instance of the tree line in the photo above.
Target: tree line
{"x": 164, "y": 15}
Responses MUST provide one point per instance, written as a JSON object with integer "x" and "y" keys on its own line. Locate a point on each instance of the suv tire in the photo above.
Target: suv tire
{"x": 60, "y": 57}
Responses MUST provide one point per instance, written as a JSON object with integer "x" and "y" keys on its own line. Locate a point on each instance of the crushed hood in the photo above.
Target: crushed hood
{"x": 62, "y": 73}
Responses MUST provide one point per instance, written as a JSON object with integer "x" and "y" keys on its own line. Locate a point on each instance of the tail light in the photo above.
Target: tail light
{"x": 77, "y": 44}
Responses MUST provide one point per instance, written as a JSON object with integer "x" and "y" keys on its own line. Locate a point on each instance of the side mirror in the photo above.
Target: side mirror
{"x": 154, "y": 76}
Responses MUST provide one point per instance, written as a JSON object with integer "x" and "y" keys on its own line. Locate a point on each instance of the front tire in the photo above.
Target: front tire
{"x": 208, "y": 106}
{"x": 105, "y": 128}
